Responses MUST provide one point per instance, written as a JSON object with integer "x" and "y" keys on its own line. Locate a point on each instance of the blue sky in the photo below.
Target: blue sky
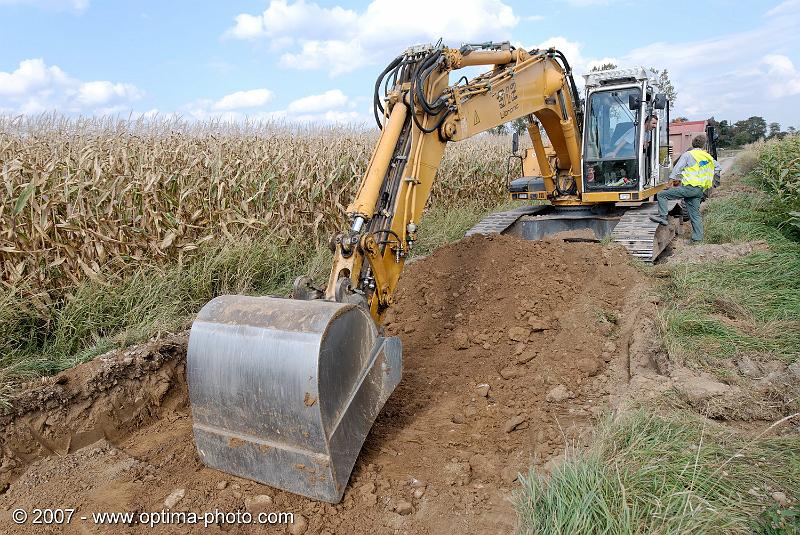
{"x": 317, "y": 61}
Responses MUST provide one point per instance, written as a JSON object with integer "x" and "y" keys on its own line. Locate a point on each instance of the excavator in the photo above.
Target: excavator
{"x": 284, "y": 391}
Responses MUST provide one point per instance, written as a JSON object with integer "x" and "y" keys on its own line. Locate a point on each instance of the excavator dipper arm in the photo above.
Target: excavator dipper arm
{"x": 284, "y": 391}
{"x": 422, "y": 113}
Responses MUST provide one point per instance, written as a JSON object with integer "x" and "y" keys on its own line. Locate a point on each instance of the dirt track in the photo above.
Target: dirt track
{"x": 546, "y": 325}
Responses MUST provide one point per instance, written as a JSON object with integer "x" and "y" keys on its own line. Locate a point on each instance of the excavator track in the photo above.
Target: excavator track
{"x": 645, "y": 239}
{"x": 629, "y": 226}
{"x": 498, "y": 222}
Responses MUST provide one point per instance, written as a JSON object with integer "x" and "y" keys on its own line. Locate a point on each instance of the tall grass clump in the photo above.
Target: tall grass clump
{"x": 96, "y": 317}
{"x": 778, "y": 174}
{"x": 646, "y": 473}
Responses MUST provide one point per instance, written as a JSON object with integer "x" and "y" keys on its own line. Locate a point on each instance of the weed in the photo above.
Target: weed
{"x": 652, "y": 474}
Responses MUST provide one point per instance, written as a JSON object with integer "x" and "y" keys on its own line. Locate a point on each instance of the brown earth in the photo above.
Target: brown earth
{"x": 511, "y": 349}
{"x": 684, "y": 253}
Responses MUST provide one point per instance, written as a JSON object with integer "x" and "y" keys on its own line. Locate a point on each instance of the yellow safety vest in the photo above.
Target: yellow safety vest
{"x": 701, "y": 174}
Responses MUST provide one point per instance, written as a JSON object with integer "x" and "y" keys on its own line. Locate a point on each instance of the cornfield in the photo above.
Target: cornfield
{"x": 97, "y": 198}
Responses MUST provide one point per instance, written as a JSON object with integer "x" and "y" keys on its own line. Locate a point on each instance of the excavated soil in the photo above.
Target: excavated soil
{"x": 511, "y": 349}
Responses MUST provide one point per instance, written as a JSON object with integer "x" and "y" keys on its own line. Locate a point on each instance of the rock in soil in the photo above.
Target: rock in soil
{"x": 258, "y": 504}
{"x": 174, "y": 497}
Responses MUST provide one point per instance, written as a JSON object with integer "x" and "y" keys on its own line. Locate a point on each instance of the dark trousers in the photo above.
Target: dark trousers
{"x": 691, "y": 195}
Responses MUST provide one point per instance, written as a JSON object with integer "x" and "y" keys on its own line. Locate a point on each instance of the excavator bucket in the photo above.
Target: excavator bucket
{"x": 285, "y": 391}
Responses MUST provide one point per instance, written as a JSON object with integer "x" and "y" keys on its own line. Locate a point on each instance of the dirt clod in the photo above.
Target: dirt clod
{"x": 509, "y": 372}
{"x": 404, "y": 508}
{"x": 514, "y": 422}
{"x": 781, "y": 498}
{"x": 298, "y": 526}
{"x": 519, "y": 334}
{"x": 261, "y": 503}
{"x": 558, "y": 393}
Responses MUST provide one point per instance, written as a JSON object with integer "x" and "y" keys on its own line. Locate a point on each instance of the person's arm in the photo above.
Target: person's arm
{"x": 682, "y": 162}
{"x": 622, "y": 141}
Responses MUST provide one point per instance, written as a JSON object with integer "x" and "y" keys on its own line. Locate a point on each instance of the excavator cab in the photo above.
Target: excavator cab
{"x": 621, "y": 154}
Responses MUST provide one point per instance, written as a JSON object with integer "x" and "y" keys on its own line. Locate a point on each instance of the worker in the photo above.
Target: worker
{"x": 692, "y": 175}
{"x": 629, "y": 137}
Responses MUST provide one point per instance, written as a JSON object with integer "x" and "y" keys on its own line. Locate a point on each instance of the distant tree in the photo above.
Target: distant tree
{"x": 666, "y": 84}
{"x": 750, "y": 130}
{"x": 741, "y": 138}
{"x": 725, "y": 133}
{"x": 604, "y": 67}
{"x": 499, "y": 130}
{"x": 774, "y": 130}
{"x": 791, "y": 130}
{"x": 519, "y": 125}
{"x": 679, "y": 120}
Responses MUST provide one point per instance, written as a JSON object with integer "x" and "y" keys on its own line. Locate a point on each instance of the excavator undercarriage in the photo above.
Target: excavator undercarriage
{"x": 630, "y": 226}
{"x": 284, "y": 391}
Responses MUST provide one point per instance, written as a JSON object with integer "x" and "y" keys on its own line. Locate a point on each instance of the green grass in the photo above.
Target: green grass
{"x": 668, "y": 475}
{"x": 96, "y": 317}
{"x": 747, "y": 306}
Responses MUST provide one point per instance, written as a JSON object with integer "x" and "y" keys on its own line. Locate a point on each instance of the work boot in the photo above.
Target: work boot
{"x": 660, "y": 220}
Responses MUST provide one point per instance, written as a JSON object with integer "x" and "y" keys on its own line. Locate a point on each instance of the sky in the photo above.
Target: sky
{"x": 316, "y": 61}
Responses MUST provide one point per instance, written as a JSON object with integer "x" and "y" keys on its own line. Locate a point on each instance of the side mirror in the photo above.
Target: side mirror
{"x": 514, "y": 142}
{"x": 660, "y": 101}
{"x": 634, "y": 102}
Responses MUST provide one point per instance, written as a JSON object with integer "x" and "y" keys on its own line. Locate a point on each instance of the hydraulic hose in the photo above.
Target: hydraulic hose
{"x": 378, "y": 107}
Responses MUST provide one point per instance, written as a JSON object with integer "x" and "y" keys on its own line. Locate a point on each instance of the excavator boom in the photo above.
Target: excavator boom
{"x": 284, "y": 391}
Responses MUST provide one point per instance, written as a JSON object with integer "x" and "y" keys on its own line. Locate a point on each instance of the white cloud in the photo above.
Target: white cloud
{"x": 103, "y": 92}
{"x": 784, "y": 7}
{"x": 253, "y": 98}
{"x": 32, "y": 75}
{"x": 74, "y": 5}
{"x": 341, "y": 40}
{"x": 247, "y": 27}
{"x": 339, "y": 57}
{"x": 35, "y": 87}
{"x": 284, "y": 19}
{"x": 329, "y": 100}
{"x": 784, "y": 78}
{"x": 330, "y": 107}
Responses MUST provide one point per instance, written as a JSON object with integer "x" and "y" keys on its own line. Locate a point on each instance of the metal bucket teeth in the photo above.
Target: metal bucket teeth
{"x": 284, "y": 392}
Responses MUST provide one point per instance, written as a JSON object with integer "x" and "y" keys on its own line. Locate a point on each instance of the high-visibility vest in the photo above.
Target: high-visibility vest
{"x": 701, "y": 174}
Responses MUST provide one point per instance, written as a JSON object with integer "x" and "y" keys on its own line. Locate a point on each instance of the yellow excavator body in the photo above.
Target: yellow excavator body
{"x": 284, "y": 391}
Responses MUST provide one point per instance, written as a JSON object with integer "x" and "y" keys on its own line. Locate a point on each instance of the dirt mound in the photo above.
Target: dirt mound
{"x": 510, "y": 349}
{"x": 106, "y": 398}
{"x": 711, "y": 252}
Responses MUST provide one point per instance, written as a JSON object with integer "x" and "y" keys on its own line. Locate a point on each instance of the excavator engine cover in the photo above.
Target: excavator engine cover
{"x": 285, "y": 391}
